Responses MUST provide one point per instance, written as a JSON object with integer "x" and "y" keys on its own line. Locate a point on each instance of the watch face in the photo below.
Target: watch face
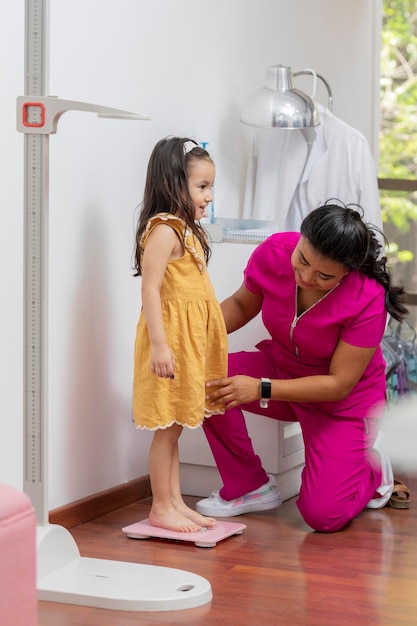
{"x": 266, "y": 389}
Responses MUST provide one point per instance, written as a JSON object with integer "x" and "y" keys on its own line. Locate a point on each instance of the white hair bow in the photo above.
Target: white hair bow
{"x": 188, "y": 146}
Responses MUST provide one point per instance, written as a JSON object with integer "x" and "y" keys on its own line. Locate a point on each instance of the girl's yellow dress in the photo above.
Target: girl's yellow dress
{"x": 196, "y": 335}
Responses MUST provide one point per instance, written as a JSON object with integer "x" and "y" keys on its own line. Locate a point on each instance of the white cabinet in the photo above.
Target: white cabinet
{"x": 279, "y": 444}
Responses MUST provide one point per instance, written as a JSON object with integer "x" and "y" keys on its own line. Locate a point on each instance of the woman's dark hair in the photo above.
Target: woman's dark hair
{"x": 166, "y": 189}
{"x": 340, "y": 234}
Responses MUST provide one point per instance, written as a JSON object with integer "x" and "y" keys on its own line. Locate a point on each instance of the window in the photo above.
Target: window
{"x": 398, "y": 138}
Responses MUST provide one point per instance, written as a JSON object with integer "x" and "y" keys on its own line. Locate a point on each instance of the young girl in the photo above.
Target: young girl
{"x": 181, "y": 339}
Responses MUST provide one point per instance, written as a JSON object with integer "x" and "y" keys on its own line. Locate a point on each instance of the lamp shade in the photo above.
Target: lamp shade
{"x": 279, "y": 104}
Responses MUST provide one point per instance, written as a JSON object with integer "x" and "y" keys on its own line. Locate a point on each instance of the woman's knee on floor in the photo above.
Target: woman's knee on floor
{"x": 324, "y": 516}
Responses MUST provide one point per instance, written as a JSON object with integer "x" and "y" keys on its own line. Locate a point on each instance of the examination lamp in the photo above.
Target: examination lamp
{"x": 280, "y": 105}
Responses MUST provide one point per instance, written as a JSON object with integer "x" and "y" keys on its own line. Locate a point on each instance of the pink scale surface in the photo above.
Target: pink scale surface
{"x": 204, "y": 538}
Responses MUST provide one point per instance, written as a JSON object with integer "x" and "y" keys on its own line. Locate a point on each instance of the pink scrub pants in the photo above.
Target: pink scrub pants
{"x": 341, "y": 471}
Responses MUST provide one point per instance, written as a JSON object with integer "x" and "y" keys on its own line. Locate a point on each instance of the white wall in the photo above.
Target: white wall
{"x": 188, "y": 64}
{"x": 11, "y": 260}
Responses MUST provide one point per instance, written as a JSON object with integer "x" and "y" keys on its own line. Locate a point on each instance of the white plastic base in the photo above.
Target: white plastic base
{"x": 64, "y": 576}
{"x": 204, "y": 538}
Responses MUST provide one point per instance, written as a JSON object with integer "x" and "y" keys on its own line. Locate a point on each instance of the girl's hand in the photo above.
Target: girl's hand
{"x": 162, "y": 362}
{"x": 233, "y": 391}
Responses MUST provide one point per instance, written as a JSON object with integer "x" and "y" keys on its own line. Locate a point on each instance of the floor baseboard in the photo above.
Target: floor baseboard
{"x": 96, "y": 505}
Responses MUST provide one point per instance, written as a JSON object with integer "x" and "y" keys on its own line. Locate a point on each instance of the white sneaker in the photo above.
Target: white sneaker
{"x": 387, "y": 482}
{"x": 264, "y": 498}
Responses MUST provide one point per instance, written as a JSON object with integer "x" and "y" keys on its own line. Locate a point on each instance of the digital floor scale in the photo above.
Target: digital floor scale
{"x": 204, "y": 538}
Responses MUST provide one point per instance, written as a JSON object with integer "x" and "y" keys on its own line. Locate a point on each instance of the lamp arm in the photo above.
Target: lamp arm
{"x": 329, "y": 91}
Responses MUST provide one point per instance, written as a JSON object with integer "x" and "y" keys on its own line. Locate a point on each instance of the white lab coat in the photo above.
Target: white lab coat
{"x": 292, "y": 172}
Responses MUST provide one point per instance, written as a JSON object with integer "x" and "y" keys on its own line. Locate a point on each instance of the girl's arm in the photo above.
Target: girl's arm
{"x": 239, "y": 308}
{"x": 162, "y": 245}
{"x": 346, "y": 368}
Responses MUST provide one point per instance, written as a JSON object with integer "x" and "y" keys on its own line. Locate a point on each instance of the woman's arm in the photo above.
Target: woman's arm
{"x": 346, "y": 368}
{"x": 161, "y": 245}
{"x": 239, "y": 308}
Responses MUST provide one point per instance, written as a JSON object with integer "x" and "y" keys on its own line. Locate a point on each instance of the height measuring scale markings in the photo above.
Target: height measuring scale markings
{"x": 36, "y": 155}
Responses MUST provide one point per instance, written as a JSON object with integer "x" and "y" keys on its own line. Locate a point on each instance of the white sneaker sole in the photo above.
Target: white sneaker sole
{"x": 387, "y": 487}
{"x": 379, "y": 503}
{"x": 239, "y": 509}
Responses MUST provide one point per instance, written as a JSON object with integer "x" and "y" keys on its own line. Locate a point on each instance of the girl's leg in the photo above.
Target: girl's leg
{"x": 178, "y": 500}
{"x": 162, "y": 456}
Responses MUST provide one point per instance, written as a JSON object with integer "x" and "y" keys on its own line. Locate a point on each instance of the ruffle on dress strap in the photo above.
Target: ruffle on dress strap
{"x": 175, "y": 222}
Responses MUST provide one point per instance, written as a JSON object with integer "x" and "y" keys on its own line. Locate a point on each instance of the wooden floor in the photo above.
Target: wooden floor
{"x": 277, "y": 572}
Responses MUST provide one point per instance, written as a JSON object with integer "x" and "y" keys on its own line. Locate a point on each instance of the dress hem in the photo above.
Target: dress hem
{"x": 138, "y": 427}
{"x": 207, "y": 414}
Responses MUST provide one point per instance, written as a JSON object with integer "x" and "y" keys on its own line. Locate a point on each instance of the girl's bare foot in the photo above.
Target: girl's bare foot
{"x": 172, "y": 519}
{"x": 195, "y": 517}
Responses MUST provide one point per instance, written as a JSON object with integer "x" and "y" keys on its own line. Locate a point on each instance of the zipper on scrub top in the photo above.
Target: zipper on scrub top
{"x": 296, "y": 318}
{"x": 293, "y": 325}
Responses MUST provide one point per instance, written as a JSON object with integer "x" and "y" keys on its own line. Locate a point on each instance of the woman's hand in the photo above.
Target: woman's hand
{"x": 230, "y": 392}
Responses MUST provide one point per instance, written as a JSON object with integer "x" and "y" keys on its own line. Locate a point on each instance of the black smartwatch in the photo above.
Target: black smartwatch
{"x": 266, "y": 392}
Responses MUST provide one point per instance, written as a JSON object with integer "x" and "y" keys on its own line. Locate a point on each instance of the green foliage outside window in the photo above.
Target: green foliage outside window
{"x": 398, "y": 130}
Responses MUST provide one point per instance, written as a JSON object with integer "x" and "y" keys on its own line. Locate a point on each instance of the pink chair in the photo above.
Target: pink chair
{"x": 18, "y": 598}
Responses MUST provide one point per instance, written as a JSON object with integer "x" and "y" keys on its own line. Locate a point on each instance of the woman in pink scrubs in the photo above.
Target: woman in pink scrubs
{"x": 324, "y": 295}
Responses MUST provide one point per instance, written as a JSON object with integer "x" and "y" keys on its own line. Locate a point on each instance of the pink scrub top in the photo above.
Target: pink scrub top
{"x": 354, "y": 311}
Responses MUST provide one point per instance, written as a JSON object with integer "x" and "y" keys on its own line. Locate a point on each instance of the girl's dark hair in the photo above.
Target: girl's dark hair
{"x": 166, "y": 189}
{"x": 339, "y": 233}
